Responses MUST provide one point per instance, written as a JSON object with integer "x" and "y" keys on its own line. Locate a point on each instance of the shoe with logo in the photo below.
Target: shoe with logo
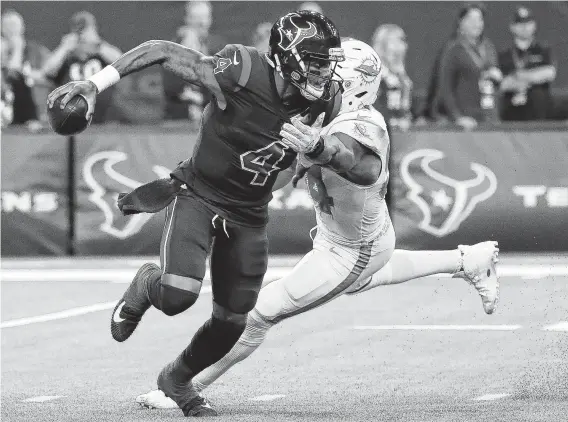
{"x": 156, "y": 399}
{"x": 478, "y": 268}
{"x": 175, "y": 382}
{"x": 130, "y": 309}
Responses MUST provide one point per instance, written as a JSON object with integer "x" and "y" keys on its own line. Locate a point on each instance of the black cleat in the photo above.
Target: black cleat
{"x": 129, "y": 310}
{"x": 199, "y": 407}
{"x": 175, "y": 381}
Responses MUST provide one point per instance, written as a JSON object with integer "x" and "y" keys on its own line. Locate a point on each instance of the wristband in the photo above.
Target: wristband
{"x": 318, "y": 149}
{"x": 324, "y": 151}
{"x": 105, "y": 78}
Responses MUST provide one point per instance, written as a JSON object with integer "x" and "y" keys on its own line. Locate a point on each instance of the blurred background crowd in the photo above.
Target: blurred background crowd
{"x": 470, "y": 80}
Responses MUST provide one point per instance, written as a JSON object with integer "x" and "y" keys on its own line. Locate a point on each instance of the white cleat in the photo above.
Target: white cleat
{"x": 478, "y": 263}
{"x": 156, "y": 399}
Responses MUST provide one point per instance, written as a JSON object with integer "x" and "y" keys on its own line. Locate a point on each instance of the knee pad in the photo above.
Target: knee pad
{"x": 174, "y": 301}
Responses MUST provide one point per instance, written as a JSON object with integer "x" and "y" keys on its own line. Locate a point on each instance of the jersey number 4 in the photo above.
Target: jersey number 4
{"x": 263, "y": 162}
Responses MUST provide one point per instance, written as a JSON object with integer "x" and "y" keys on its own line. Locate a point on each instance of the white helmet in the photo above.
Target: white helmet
{"x": 361, "y": 73}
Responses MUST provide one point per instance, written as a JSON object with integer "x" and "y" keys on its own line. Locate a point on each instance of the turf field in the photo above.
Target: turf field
{"x": 421, "y": 351}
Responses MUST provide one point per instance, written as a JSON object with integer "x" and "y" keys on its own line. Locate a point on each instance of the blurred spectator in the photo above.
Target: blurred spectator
{"x": 81, "y": 54}
{"x": 468, "y": 72}
{"x": 311, "y": 5}
{"x": 395, "y": 94}
{"x": 528, "y": 69}
{"x": 20, "y": 59}
{"x": 432, "y": 109}
{"x": 7, "y": 97}
{"x": 183, "y": 100}
{"x": 261, "y": 36}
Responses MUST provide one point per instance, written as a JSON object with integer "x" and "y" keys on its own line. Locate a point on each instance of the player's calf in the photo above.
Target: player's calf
{"x": 213, "y": 340}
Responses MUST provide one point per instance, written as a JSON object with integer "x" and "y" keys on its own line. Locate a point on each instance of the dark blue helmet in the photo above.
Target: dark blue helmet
{"x": 301, "y": 44}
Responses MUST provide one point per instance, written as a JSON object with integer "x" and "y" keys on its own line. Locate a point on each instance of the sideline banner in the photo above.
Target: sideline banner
{"x": 451, "y": 188}
{"x": 447, "y": 188}
{"x": 34, "y": 193}
{"x": 112, "y": 161}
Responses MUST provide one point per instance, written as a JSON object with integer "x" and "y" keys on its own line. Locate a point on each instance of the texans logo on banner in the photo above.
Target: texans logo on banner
{"x": 100, "y": 173}
{"x": 443, "y": 201}
{"x": 101, "y": 166}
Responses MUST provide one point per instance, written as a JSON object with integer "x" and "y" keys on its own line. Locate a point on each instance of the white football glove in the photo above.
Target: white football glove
{"x": 301, "y": 137}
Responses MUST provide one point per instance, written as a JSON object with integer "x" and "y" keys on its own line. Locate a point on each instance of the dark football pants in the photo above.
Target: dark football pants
{"x": 239, "y": 258}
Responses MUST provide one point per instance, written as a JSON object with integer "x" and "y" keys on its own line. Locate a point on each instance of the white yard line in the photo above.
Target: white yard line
{"x": 268, "y": 397}
{"x": 561, "y": 326}
{"x": 71, "y": 274}
{"x": 41, "y": 399}
{"x": 81, "y": 310}
{"x": 448, "y": 327}
{"x": 488, "y": 397}
{"x": 529, "y": 272}
{"x": 96, "y": 275}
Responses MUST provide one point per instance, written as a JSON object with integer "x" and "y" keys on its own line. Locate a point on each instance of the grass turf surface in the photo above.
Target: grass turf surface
{"x": 325, "y": 369}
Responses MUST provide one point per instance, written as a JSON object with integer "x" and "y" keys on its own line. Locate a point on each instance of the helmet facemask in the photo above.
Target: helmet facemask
{"x": 312, "y": 73}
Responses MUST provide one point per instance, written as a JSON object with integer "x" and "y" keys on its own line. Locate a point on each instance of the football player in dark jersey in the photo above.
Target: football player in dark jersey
{"x": 222, "y": 192}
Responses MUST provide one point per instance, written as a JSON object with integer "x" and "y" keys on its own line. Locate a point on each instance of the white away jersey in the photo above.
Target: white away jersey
{"x": 348, "y": 213}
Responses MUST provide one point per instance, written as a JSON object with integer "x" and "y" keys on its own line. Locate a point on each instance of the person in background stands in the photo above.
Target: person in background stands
{"x": 528, "y": 68}
{"x": 7, "y": 95}
{"x": 21, "y": 58}
{"x": 469, "y": 73}
{"x": 185, "y": 101}
{"x": 261, "y": 36}
{"x": 81, "y": 54}
{"x": 395, "y": 93}
{"x": 311, "y": 5}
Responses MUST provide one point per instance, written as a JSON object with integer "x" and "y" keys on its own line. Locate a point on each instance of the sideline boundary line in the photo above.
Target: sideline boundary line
{"x": 528, "y": 272}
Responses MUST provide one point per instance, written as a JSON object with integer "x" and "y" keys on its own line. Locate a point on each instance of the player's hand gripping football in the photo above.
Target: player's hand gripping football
{"x": 85, "y": 88}
{"x": 301, "y": 137}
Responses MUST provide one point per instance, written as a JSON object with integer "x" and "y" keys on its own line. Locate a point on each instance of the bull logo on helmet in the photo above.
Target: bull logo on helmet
{"x": 291, "y": 34}
{"x": 444, "y": 202}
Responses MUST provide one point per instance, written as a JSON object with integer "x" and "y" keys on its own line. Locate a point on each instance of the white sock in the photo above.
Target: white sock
{"x": 250, "y": 340}
{"x": 408, "y": 265}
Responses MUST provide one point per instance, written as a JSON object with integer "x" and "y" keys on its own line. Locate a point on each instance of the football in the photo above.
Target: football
{"x": 70, "y": 120}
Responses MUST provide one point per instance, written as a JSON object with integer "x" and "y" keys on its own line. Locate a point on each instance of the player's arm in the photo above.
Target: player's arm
{"x": 339, "y": 152}
{"x": 284, "y": 177}
{"x": 345, "y": 155}
{"x": 331, "y": 152}
{"x": 190, "y": 65}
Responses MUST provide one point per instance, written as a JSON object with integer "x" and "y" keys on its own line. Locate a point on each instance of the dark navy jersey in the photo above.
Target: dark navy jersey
{"x": 239, "y": 151}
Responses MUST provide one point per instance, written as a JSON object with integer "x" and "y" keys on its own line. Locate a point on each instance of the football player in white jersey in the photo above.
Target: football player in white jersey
{"x": 346, "y": 171}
